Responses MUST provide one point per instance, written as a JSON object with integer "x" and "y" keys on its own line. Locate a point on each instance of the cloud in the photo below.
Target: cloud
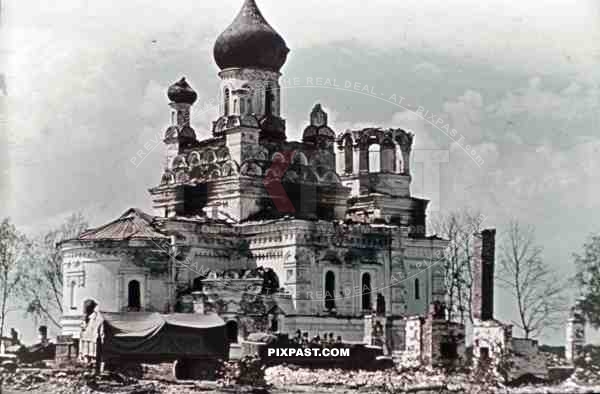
{"x": 424, "y": 136}
{"x": 574, "y": 101}
{"x": 465, "y": 113}
{"x": 533, "y": 100}
{"x": 427, "y": 71}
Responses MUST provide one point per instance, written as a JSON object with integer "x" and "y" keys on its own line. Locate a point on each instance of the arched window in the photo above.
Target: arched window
{"x": 197, "y": 283}
{"x": 366, "y": 292}
{"x": 72, "y": 295}
{"x": 269, "y": 98}
{"x": 348, "y": 157}
{"x": 300, "y": 158}
{"x": 400, "y": 162}
{"x": 388, "y": 156}
{"x": 231, "y": 328}
{"x": 329, "y": 290}
{"x": 250, "y": 110}
{"x": 226, "y": 102}
{"x": 374, "y": 158}
{"x": 417, "y": 289}
{"x": 380, "y": 307}
{"x": 242, "y": 106}
{"x": 134, "y": 301}
{"x": 275, "y": 324}
{"x": 270, "y": 282}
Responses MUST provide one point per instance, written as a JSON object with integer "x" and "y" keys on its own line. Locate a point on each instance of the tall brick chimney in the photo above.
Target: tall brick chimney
{"x": 483, "y": 254}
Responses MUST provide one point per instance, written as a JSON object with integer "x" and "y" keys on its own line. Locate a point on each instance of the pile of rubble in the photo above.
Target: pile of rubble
{"x": 249, "y": 371}
{"x": 78, "y": 378}
{"x": 586, "y": 376}
{"x": 553, "y": 360}
{"x": 75, "y": 379}
{"x": 253, "y": 377}
{"x": 423, "y": 381}
{"x": 414, "y": 380}
{"x": 587, "y": 372}
{"x": 29, "y": 378}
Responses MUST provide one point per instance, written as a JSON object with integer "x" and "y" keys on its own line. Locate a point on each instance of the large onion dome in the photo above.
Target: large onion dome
{"x": 250, "y": 42}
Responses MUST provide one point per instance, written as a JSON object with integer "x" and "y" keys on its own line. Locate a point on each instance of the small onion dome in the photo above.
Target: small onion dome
{"x": 250, "y": 42}
{"x": 182, "y": 92}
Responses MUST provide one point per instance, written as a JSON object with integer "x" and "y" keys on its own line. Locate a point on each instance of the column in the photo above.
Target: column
{"x": 120, "y": 288}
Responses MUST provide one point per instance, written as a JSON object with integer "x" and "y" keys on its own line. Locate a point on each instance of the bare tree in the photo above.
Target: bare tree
{"x": 537, "y": 292}
{"x": 588, "y": 278}
{"x": 13, "y": 247}
{"x": 458, "y": 227}
{"x": 43, "y": 284}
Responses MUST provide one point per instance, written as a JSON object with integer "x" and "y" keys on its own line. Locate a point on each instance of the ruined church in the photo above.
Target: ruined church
{"x": 320, "y": 235}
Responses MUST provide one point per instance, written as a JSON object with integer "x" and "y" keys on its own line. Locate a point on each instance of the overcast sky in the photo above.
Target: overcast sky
{"x": 519, "y": 80}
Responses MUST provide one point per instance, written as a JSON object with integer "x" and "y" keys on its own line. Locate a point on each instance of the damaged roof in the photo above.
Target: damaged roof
{"x": 133, "y": 224}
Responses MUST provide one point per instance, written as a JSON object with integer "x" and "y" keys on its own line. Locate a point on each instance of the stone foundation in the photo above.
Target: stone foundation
{"x": 431, "y": 341}
{"x": 491, "y": 339}
{"x": 66, "y": 348}
{"x": 443, "y": 342}
{"x": 526, "y": 359}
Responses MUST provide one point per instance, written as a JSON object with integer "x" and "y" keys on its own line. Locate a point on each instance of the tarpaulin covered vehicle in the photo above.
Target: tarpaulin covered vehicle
{"x": 195, "y": 342}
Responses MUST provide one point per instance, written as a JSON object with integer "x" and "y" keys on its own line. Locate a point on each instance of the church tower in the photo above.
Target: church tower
{"x": 223, "y": 177}
{"x": 169, "y": 198}
{"x": 180, "y": 135}
{"x": 250, "y": 54}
